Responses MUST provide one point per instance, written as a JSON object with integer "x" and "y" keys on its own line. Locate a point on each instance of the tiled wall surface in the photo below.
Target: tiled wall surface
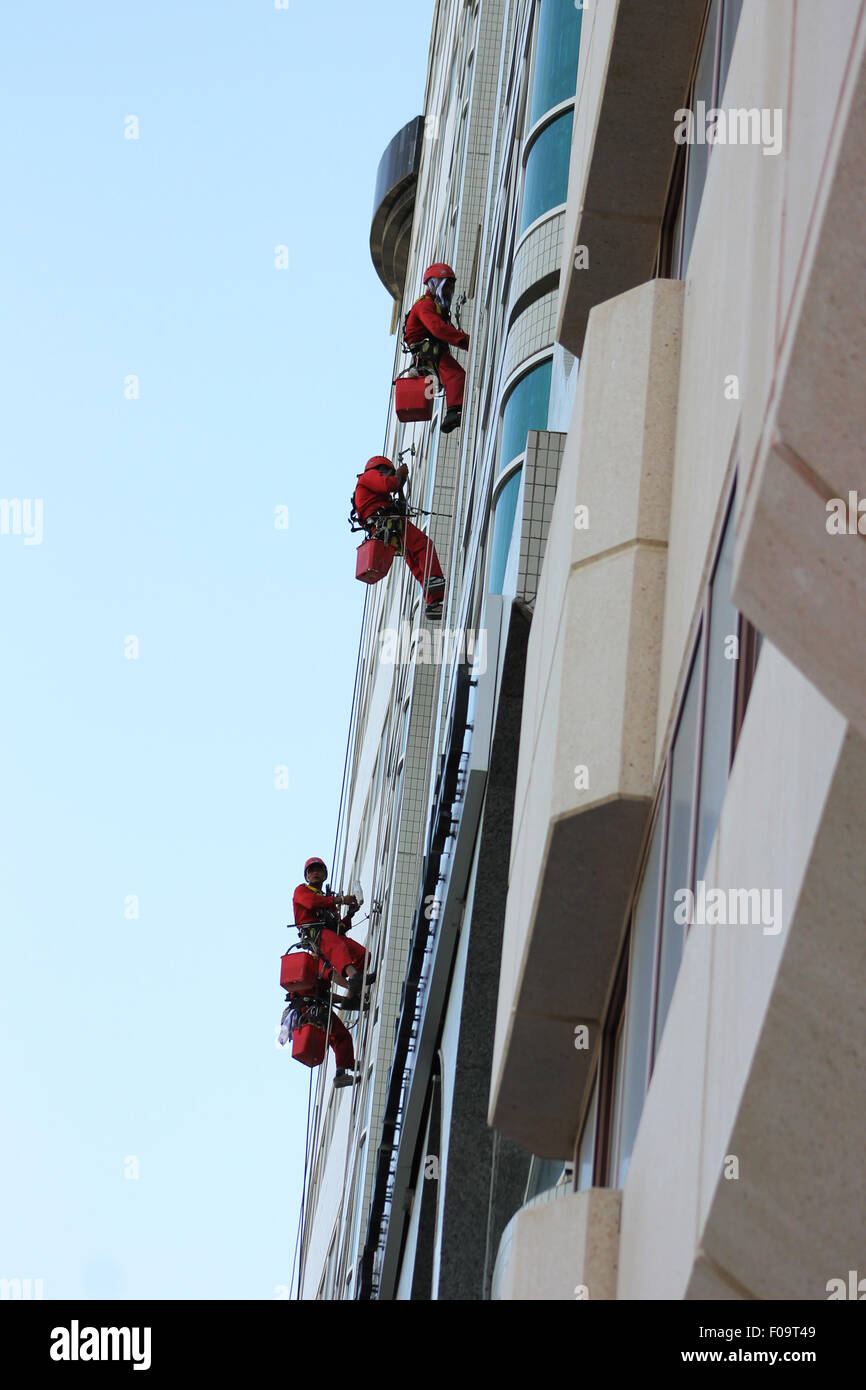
{"x": 540, "y": 475}
{"x": 531, "y": 332}
{"x": 539, "y": 254}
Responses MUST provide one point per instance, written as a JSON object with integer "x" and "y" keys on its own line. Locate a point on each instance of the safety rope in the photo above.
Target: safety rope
{"x": 365, "y": 1026}
{"x": 394, "y": 705}
{"x": 303, "y": 1208}
{"x": 319, "y": 1116}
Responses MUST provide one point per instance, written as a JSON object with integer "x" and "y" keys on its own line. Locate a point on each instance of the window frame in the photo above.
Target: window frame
{"x": 615, "y": 1018}
{"x": 669, "y": 256}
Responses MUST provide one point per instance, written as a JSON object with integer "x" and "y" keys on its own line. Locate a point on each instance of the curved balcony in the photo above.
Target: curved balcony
{"x": 394, "y": 206}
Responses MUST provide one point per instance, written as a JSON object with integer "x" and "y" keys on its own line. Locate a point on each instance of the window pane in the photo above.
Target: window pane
{"x": 586, "y": 1150}
{"x": 639, "y": 1004}
{"x": 616, "y": 1128}
{"x": 677, "y": 238}
{"x": 546, "y": 182}
{"x": 718, "y": 716}
{"x": 525, "y": 410}
{"x": 677, "y": 859}
{"x": 503, "y": 530}
{"x": 544, "y": 1173}
{"x": 699, "y": 154}
{"x": 555, "y": 55}
{"x": 730, "y": 20}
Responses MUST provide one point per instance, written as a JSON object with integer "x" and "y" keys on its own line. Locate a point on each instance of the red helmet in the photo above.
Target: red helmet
{"x": 379, "y": 461}
{"x": 439, "y": 271}
{"x": 310, "y": 862}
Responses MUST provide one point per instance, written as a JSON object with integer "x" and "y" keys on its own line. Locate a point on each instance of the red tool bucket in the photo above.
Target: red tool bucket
{"x": 308, "y": 1045}
{"x": 298, "y": 972}
{"x": 374, "y": 561}
{"x": 413, "y": 399}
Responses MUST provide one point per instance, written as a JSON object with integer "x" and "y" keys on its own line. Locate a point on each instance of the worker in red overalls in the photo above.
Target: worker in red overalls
{"x": 313, "y": 1008}
{"x": 379, "y": 493}
{"x": 317, "y": 913}
{"x": 429, "y": 331}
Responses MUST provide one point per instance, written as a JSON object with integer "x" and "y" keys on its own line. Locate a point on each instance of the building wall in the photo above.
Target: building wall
{"x": 730, "y": 1089}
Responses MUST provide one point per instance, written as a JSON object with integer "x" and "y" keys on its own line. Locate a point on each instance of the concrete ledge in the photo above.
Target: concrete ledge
{"x": 634, "y": 68}
{"x": 563, "y": 1245}
{"x": 803, "y": 587}
{"x": 587, "y": 751}
{"x": 795, "y": 1217}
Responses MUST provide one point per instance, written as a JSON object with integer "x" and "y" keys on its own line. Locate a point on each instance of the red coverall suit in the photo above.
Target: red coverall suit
{"x": 339, "y": 1037}
{"x": 426, "y": 320}
{"x": 373, "y": 494}
{"x": 338, "y": 951}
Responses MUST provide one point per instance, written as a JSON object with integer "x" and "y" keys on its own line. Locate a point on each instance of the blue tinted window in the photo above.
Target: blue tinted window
{"x": 525, "y": 410}
{"x": 503, "y": 529}
{"x": 555, "y": 55}
{"x": 546, "y": 182}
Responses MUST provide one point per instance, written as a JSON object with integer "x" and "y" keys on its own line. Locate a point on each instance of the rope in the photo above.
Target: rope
{"x": 394, "y": 706}
{"x": 298, "y": 1236}
{"x": 318, "y": 1113}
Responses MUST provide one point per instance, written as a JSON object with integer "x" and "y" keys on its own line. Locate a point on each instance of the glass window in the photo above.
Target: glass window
{"x": 556, "y": 54}
{"x": 586, "y": 1148}
{"x": 719, "y": 705}
{"x": 525, "y": 410}
{"x": 544, "y": 1174}
{"x": 730, "y": 20}
{"x": 618, "y": 1070}
{"x": 503, "y": 530}
{"x": 698, "y": 155}
{"x": 679, "y": 837}
{"x": 639, "y": 1004}
{"x": 546, "y": 183}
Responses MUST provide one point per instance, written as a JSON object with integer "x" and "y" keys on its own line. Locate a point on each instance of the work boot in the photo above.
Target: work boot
{"x": 344, "y": 1078}
{"x": 435, "y": 590}
{"x": 433, "y": 611}
{"x": 452, "y": 419}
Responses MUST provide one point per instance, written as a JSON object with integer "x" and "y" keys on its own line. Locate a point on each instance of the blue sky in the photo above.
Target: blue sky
{"x": 154, "y": 1038}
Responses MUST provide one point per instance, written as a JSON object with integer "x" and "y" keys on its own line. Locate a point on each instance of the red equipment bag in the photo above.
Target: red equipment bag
{"x": 374, "y": 561}
{"x": 411, "y": 398}
{"x": 298, "y": 972}
{"x": 308, "y": 1045}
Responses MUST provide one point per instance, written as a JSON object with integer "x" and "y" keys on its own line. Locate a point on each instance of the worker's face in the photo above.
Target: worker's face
{"x": 316, "y": 875}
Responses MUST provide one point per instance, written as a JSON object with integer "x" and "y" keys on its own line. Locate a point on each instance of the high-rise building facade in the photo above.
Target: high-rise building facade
{"x": 608, "y": 816}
